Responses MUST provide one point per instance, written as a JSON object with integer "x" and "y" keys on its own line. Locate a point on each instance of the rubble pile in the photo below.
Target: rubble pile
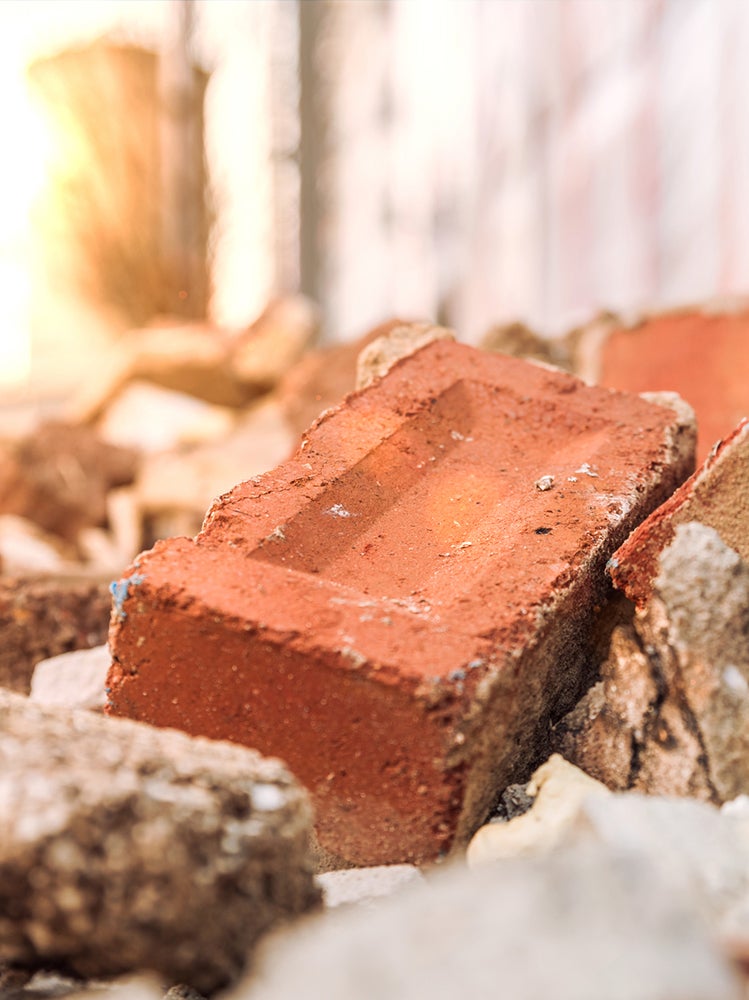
{"x": 462, "y": 656}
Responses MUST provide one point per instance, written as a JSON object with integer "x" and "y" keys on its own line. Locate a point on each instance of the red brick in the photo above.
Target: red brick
{"x": 704, "y": 357}
{"x": 716, "y": 495}
{"x": 399, "y": 610}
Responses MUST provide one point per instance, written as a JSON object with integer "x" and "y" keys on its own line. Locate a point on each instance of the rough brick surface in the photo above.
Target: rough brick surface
{"x": 123, "y": 847}
{"x": 703, "y": 355}
{"x": 399, "y": 609}
{"x": 43, "y": 617}
{"x": 716, "y": 495}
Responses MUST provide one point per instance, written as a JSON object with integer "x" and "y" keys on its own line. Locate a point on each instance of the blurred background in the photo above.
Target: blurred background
{"x": 473, "y": 162}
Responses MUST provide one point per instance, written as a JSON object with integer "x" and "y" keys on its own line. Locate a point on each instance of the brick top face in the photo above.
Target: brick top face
{"x": 398, "y": 609}
{"x": 463, "y": 491}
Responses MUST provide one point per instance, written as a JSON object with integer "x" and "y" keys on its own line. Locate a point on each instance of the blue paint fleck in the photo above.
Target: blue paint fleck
{"x": 613, "y": 563}
{"x": 120, "y": 589}
{"x": 456, "y": 675}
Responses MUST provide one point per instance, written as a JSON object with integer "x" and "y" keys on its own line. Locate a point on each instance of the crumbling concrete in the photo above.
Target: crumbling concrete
{"x": 555, "y": 790}
{"x": 577, "y": 925}
{"x": 397, "y": 611}
{"x": 45, "y": 616}
{"x": 124, "y": 847}
{"x": 59, "y": 477}
{"x": 671, "y": 713}
{"x": 76, "y": 679}
{"x": 377, "y": 358}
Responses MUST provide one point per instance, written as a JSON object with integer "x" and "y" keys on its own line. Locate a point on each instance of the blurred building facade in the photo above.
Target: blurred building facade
{"x": 489, "y": 161}
{"x": 476, "y": 162}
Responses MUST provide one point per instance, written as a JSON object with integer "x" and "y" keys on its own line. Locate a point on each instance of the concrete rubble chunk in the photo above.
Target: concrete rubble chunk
{"x": 124, "y": 848}
{"x": 184, "y": 484}
{"x": 576, "y": 925}
{"x": 672, "y": 713}
{"x": 60, "y": 475}
{"x": 150, "y": 418}
{"x": 377, "y": 358}
{"x": 396, "y": 611}
{"x": 44, "y": 616}
{"x": 362, "y": 885}
{"x": 76, "y": 679}
{"x": 557, "y": 788}
{"x": 699, "y": 848}
{"x": 25, "y": 548}
{"x": 521, "y": 341}
{"x": 716, "y": 495}
{"x": 276, "y": 340}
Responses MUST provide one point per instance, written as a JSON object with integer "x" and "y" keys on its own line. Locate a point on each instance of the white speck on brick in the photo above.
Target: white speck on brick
{"x": 545, "y": 483}
{"x": 338, "y": 510}
{"x": 586, "y": 470}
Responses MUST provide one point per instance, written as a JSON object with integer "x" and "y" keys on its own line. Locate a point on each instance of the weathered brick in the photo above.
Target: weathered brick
{"x": 400, "y": 609}
{"x": 716, "y": 495}
{"x": 703, "y": 354}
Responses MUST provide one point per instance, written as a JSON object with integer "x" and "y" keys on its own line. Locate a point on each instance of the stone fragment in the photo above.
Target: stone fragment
{"x": 150, "y": 419}
{"x": 701, "y": 849}
{"x": 362, "y": 885}
{"x": 701, "y": 353}
{"x": 575, "y": 925}
{"x": 42, "y": 617}
{"x": 672, "y": 713}
{"x": 76, "y": 679}
{"x": 716, "y": 495}
{"x": 520, "y": 341}
{"x": 379, "y": 357}
{"x": 25, "y": 548}
{"x": 397, "y": 611}
{"x": 557, "y": 789}
{"x": 59, "y": 477}
{"x": 46, "y": 986}
{"x": 127, "y": 848}
{"x": 173, "y": 492}
{"x": 187, "y": 358}
{"x": 277, "y": 339}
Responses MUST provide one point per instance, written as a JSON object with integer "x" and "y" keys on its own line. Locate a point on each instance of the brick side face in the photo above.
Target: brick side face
{"x": 399, "y": 609}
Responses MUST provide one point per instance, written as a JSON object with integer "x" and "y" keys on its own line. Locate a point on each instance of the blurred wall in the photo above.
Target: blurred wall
{"x": 542, "y": 160}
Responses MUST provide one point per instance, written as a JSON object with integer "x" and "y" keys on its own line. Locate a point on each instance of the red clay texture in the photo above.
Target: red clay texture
{"x": 400, "y": 609}
{"x": 703, "y": 357}
{"x": 716, "y": 495}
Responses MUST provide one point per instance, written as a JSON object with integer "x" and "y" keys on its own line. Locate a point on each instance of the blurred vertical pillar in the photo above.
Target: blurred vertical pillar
{"x": 284, "y": 95}
{"x": 314, "y": 119}
{"x": 183, "y": 203}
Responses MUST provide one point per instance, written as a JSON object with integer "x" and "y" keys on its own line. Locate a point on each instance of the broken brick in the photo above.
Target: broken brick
{"x": 700, "y": 353}
{"x": 397, "y": 611}
{"x": 716, "y": 495}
